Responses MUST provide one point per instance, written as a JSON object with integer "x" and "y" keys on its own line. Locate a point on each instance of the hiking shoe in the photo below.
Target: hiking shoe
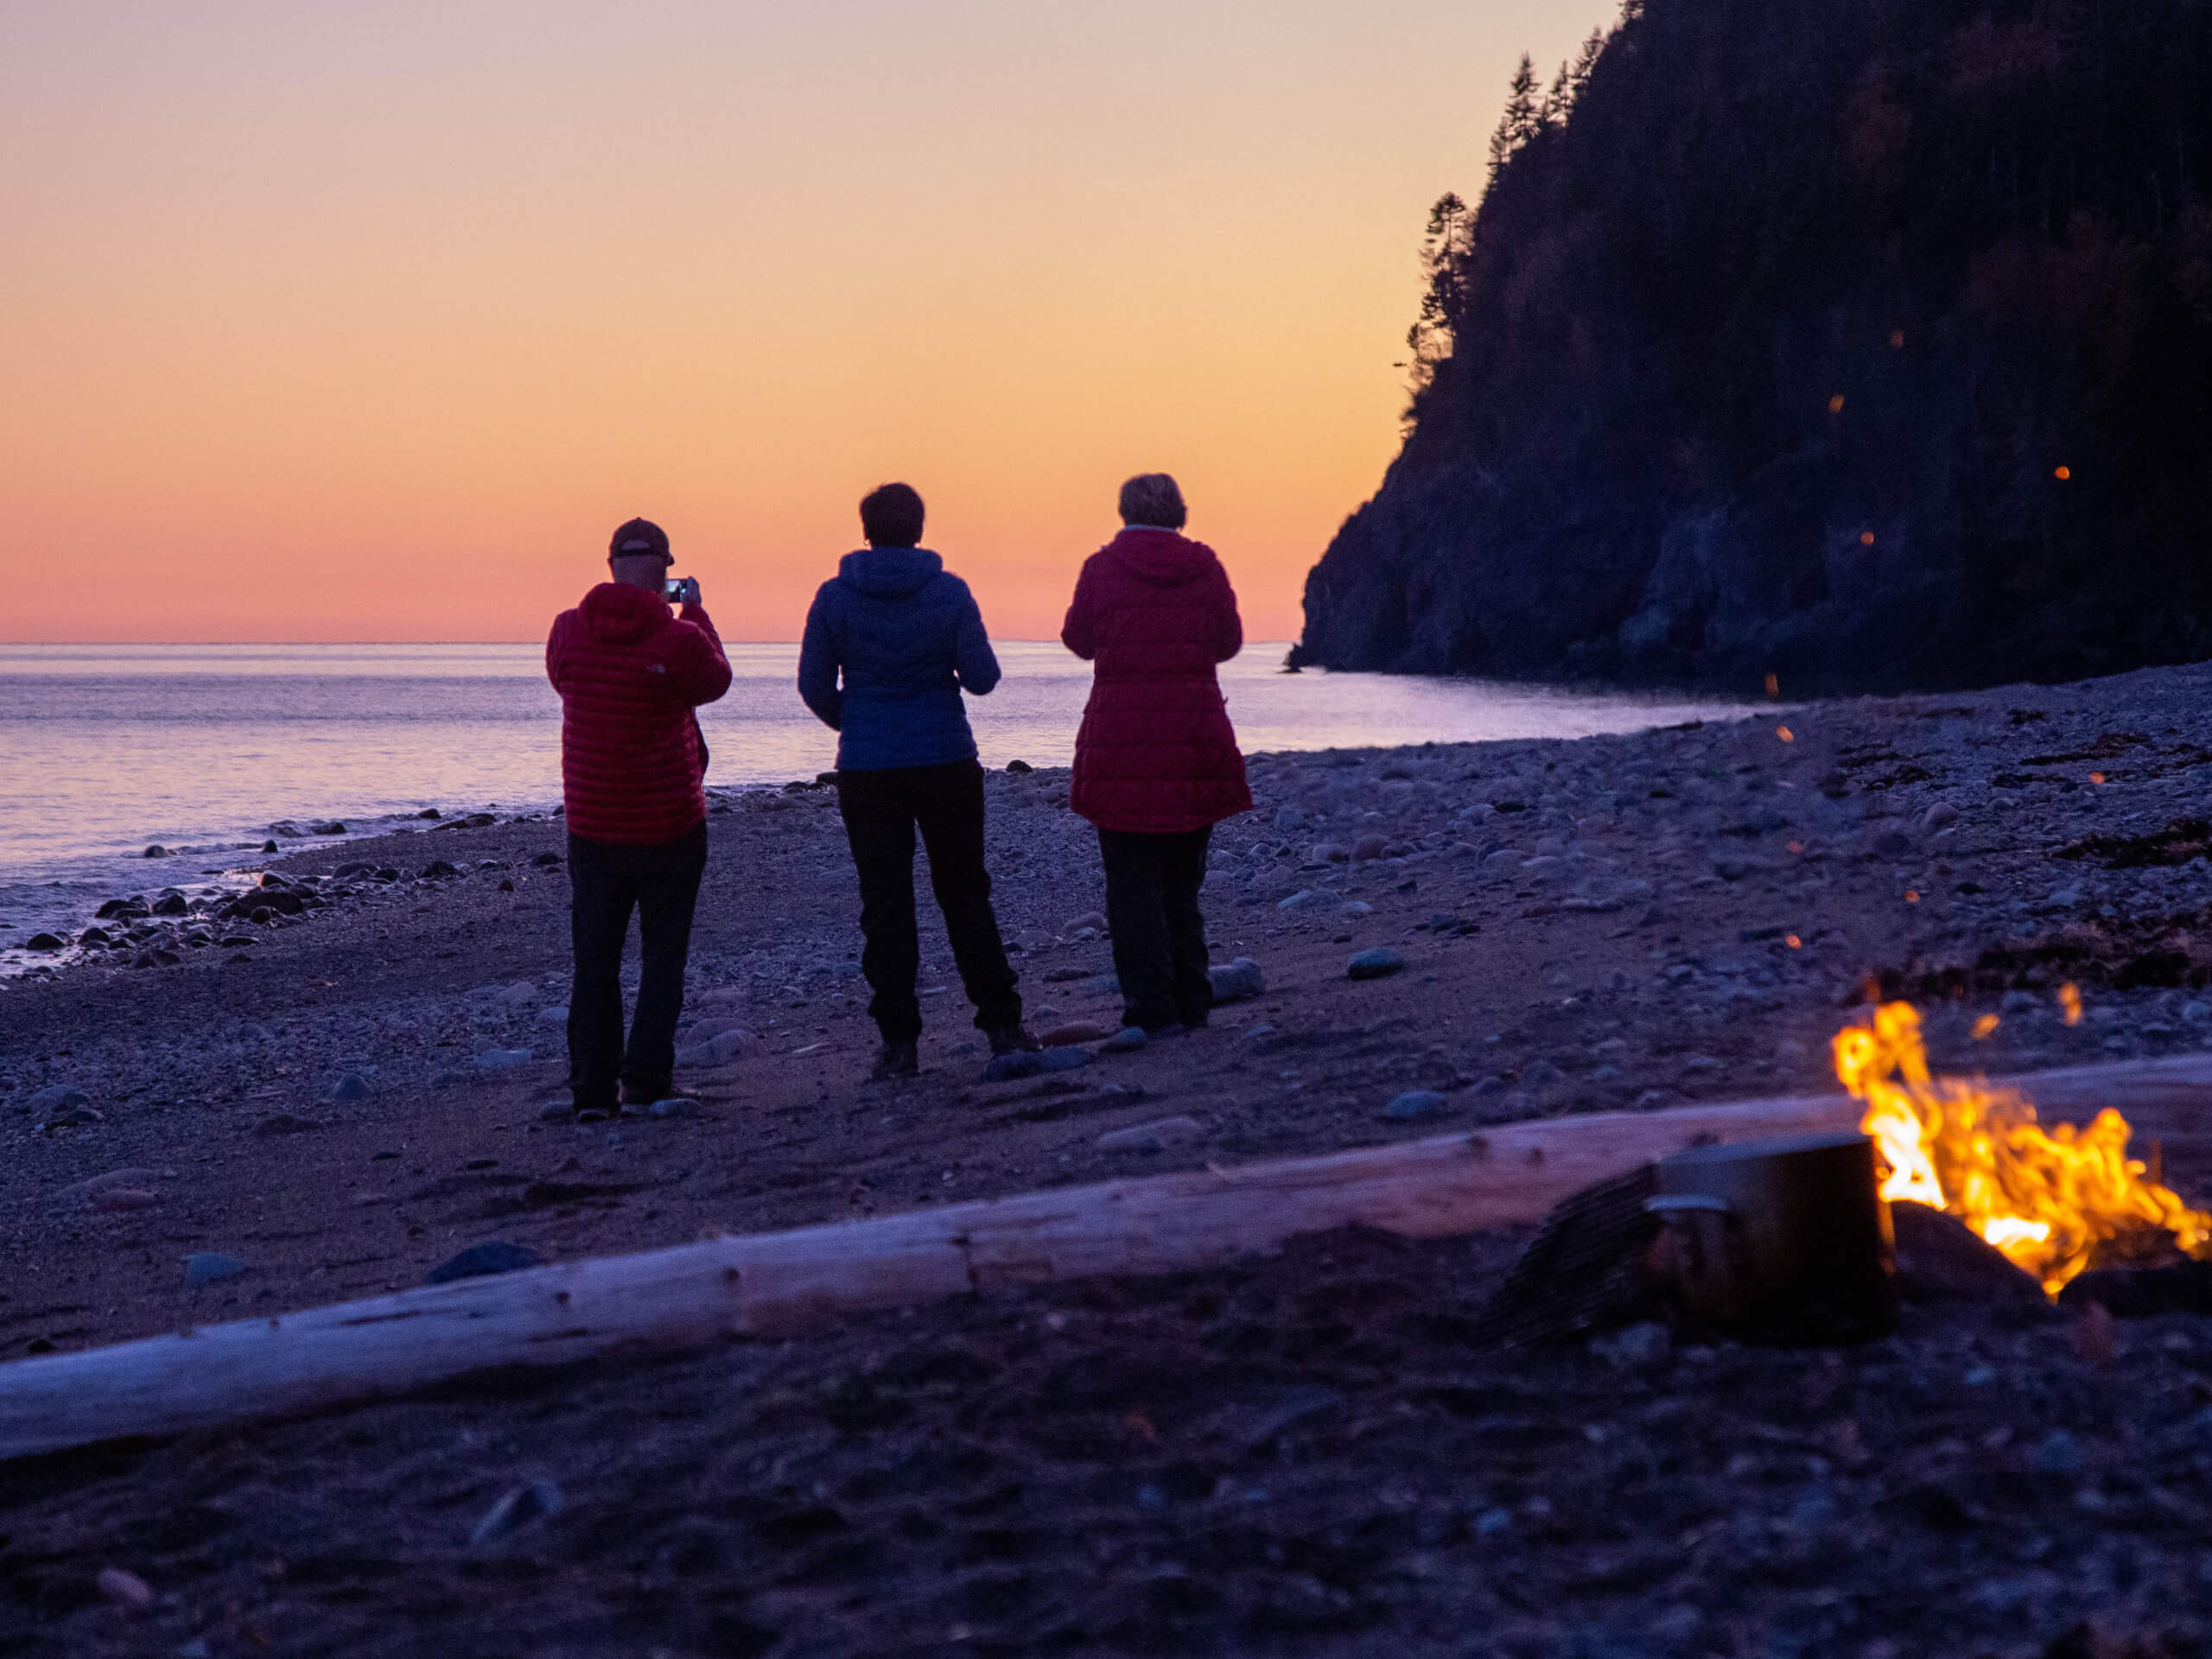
{"x": 1013, "y": 1039}
{"x": 896, "y": 1060}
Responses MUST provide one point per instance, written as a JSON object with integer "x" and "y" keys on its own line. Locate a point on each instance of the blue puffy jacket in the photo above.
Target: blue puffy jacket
{"x": 891, "y": 643}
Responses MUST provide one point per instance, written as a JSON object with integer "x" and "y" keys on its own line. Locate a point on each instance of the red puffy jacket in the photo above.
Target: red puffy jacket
{"x": 1155, "y": 754}
{"x": 630, "y": 672}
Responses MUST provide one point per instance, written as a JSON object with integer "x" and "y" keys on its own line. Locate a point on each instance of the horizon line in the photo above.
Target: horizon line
{"x": 1007, "y": 639}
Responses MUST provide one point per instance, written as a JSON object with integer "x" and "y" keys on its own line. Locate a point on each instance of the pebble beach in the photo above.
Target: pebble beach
{"x": 328, "y": 1085}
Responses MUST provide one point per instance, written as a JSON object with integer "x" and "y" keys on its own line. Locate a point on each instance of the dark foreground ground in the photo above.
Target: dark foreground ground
{"x": 1308, "y": 1455}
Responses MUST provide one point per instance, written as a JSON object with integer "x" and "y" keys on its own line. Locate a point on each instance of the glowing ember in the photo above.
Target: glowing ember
{"x": 2051, "y": 1199}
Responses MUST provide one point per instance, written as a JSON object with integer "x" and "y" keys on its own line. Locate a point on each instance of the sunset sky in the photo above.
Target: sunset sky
{"x": 370, "y": 321}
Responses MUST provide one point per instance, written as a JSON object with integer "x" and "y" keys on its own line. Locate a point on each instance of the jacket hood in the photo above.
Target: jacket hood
{"x": 890, "y": 572}
{"x": 1159, "y": 555}
{"x": 621, "y": 615}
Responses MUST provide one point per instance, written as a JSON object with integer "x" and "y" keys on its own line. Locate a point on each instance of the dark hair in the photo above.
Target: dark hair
{"x": 1152, "y": 498}
{"x": 891, "y": 516}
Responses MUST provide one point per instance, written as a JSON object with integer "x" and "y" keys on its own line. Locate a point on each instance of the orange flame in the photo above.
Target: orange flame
{"x": 2049, "y": 1199}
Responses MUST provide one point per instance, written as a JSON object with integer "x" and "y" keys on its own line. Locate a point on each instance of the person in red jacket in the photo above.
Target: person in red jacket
{"x": 633, "y": 765}
{"x": 1156, "y": 761}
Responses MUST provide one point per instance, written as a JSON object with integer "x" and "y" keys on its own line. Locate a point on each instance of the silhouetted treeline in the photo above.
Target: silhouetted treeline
{"x": 1865, "y": 342}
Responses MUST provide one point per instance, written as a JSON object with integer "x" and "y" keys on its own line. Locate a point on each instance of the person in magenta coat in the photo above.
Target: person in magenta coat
{"x": 1156, "y": 761}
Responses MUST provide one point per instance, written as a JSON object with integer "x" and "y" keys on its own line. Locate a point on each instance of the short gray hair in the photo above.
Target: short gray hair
{"x": 1152, "y": 498}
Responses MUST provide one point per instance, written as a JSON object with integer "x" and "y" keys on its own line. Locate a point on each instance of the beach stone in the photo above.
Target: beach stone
{"x": 203, "y": 1268}
{"x": 720, "y": 1049}
{"x": 501, "y": 1059}
{"x": 268, "y": 846}
{"x": 1011, "y": 1067}
{"x": 328, "y": 827}
{"x": 2058, "y": 1454}
{"x": 1234, "y": 980}
{"x": 479, "y": 1261}
{"x": 156, "y": 851}
{"x": 1542, "y": 1074}
{"x": 120, "y": 1200}
{"x": 44, "y": 942}
{"x": 518, "y": 1509}
{"x": 556, "y": 1014}
{"x": 1062, "y": 1059}
{"x": 85, "y": 1191}
{"x": 1126, "y": 1041}
{"x": 1378, "y": 964}
{"x": 437, "y": 870}
{"x": 1095, "y": 920}
{"x": 676, "y": 1106}
{"x": 1633, "y": 1345}
{"x": 1289, "y": 820}
{"x": 1328, "y": 852}
{"x": 520, "y": 995}
{"x": 1367, "y": 849}
{"x": 1152, "y": 1137}
{"x": 352, "y": 1086}
{"x": 124, "y": 1589}
{"x": 1353, "y": 909}
{"x": 56, "y": 1099}
{"x": 1308, "y": 899}
{"x": 1414, "y": 1102}
{"x": 171, "y": 903}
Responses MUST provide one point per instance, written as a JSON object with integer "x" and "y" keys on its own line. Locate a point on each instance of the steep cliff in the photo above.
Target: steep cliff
{"x": 1860, "y": 342}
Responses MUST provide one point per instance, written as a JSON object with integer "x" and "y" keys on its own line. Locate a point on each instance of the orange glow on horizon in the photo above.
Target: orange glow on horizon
{"x": 371, "y": 326}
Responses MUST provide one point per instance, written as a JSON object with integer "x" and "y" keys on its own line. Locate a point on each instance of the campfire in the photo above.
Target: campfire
{"x": 2056, "y": 1200}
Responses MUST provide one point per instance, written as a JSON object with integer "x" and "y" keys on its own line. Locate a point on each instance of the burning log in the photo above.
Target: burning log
{"x": 775, "y": 1283}
{"x": 2056, "y": 1200}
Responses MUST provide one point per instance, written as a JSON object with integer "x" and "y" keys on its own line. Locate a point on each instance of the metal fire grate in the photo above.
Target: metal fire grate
{"x": 1583, "y": 1270}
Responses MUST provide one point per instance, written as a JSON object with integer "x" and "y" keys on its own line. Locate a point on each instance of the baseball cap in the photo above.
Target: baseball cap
{"x": 640, "y": 536}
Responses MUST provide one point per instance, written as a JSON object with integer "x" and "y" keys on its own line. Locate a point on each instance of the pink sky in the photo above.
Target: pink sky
{"x": 372, "y": 322}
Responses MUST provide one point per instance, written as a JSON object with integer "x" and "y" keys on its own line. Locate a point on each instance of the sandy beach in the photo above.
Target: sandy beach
{"x": 1603, "y": 924}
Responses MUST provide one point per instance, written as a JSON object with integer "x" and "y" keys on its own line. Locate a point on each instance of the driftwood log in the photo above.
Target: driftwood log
{"x": 779, "y": 1283}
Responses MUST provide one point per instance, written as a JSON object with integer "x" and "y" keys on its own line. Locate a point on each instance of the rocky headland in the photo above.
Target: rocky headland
{"x": 1861, "y": 345}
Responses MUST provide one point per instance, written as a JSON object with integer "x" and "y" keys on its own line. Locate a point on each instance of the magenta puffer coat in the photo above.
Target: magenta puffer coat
{"x": 1155, "y": 754}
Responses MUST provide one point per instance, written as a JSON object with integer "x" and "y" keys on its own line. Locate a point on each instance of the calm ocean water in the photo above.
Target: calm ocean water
{"x": 105, "y": 749}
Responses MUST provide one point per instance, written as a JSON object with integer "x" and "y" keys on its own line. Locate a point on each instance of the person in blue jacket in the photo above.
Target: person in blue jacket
{"x": 891, "y": 643}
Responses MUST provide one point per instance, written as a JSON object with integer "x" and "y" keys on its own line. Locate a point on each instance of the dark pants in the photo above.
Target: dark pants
{"x": 605, "y": 883}
{"x": 882, "y": 810}
{"x": 1160, "y": 938}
